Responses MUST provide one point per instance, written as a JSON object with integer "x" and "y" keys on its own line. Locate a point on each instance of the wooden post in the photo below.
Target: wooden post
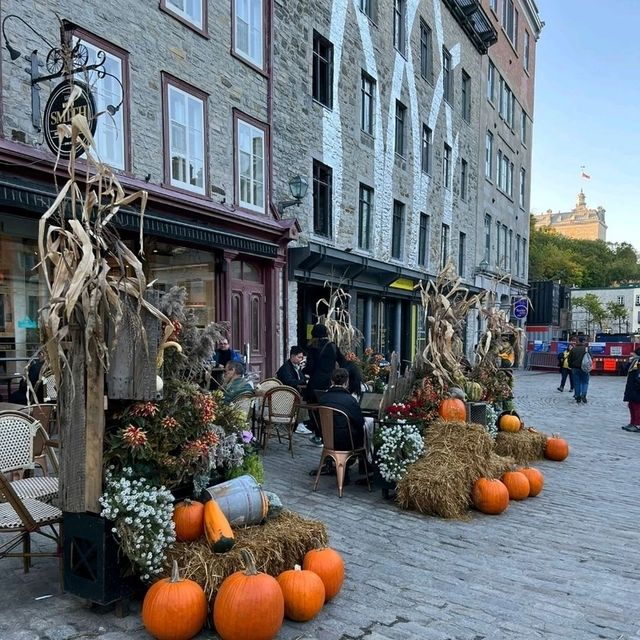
{"x": 94, "y": 436}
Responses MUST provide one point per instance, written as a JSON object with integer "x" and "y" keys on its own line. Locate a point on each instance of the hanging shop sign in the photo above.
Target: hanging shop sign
{"x": 54, "y": 114}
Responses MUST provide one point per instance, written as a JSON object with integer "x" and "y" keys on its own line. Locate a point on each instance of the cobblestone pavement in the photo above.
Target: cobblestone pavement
{"x": 563, "y": 565}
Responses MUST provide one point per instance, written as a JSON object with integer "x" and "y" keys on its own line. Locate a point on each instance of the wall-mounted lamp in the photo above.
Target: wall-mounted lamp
{"x": 298, "y": 186}
{"x": 483, "y": 266}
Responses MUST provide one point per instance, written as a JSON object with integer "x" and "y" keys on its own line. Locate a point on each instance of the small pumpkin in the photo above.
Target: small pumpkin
{"x": 452, "y": 409}
{"x": 249, "y": 604}
{"x": 556, "y": 448}
{"x": 329, "y": 565}
{"x": 474, "y": 391}
{"x": 490, "y": 496}
{"x": 509, "y": 422}
{"x": 174, "y": 609}
{"x": 188, "y": 517}
{"x": 517, "y": 485}
{"x": 217, "y": 528}
{"x": 303, "y": 592}
{"x": 535, "y": 478}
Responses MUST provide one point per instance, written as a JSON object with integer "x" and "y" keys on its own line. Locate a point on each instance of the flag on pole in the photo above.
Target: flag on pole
{"x": 585, "y": 176}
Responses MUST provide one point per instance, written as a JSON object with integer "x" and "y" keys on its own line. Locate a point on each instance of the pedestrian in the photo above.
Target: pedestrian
{"x": 580, "y": 364}
{"x": 632, "y": 393}
{"x": 565, "y": 369}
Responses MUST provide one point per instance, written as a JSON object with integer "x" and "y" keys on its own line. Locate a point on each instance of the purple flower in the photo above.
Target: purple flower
{"x": 247, "y": 436}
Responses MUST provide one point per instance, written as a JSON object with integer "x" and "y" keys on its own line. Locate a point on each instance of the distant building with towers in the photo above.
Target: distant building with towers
{"x": 580, "y": 223}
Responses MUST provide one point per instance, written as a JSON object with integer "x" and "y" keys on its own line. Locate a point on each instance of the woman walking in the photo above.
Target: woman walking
{"x": 632, "y": 393}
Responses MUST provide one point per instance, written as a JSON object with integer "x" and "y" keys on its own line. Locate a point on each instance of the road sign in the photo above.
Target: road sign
{"x": 521, "y": 308}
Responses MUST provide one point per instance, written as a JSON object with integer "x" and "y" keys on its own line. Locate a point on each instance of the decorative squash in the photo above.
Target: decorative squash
{"x": 474, "y": 391}
{"x": 188, "y": 517}
{"x": 517, "y": 485}
{"x": 452, "y": 409}
{"x": 509, "y": 422}
{"x": 303, "y": 592}
{"x": 174, "y": 609}
{"x": 217, "y": 528}
{"x": 490, "y": 496}
{"x": 536, "y": 480}
{"x": 249, "y": 604}
{"x": 456, "y": 392}
{"x": 329, "y": 565}
{"x": 556, "y": 448}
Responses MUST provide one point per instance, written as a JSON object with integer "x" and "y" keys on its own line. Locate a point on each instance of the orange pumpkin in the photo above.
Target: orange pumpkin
{"x": 249, "y": 604}
{"x": 174, "y": 609}
{"x": 303, "y": 592}
{"x": 509, "y": 422}
{"x": 329, "y": 565}
{"x": 490, "y": 496}
{"x": 188, "y": 517}
{"x": 452, "y": 409}
{"x": 556, "y": 448}
{"x": 517, "y": 485}
{"x": 535, "y": 478}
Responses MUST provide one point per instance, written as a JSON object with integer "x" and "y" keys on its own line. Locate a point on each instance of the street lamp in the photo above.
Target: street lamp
{"x": 298, "y": 186}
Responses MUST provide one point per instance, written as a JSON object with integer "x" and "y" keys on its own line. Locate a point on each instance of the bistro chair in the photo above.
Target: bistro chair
{"x": 244, "y": 403}
{"x": 267, "y": 384}
{"x": 279, "y": 413}
{"x": 327, "y": 416}
{"x": 45, "y": 414}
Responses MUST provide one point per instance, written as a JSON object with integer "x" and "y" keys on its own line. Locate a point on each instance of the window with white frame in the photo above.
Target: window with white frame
{"x": 191, "y": 11}
{"x": 491, "y": 82}
{"x": 523, "y": 186}
{"x": 637, "y": 300}
{"x": 488, "y": 155}
{"x": 509, "y": 20}
{"x": 251, "y": 166}
{"x": 186, "y": 139}
{"x": 620, "y": 299}
{"x": 494, "y": 5}
{"x": 507, "y": 100}
{"x": 249, "y": 31}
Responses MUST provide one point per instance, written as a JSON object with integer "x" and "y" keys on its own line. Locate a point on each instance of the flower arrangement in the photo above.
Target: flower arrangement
{"x": 142, "y": 516}
{"x": 398, "y": 445}
{"x": 402, "y": 410}
{"x": 426, "y": 399}
{"x": 375, "y": 369}
{"x": 492, "y": 421}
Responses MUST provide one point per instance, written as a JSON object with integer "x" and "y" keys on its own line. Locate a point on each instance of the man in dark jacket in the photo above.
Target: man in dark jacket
{"x": 338, "y": 397}
{"x": 580, "y": 377}
{"x": 290, "y": 373}
{"x": 632, "y": 393}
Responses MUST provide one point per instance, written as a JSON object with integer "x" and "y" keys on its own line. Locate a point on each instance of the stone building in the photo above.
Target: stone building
{"x": 193, "y": 89}
{"x": 627, "y": 297}
{"x": 580, "y": 223}
{"x": 379, "y": 103}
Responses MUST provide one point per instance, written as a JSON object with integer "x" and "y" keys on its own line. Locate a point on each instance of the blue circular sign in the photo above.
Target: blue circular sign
{"x": 521, "y": 308}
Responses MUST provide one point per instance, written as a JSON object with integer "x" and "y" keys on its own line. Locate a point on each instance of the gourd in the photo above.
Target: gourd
{"x": 490, "y": 496}
{"x": 188, "y": 517}
{"x": 217, "y": 528}
{"x": 456, "y": 392}
{"x": 556, "y": 448}
{"x": 303, "y": 592}
{"x": 517, "y": 485}
{"x": 329, "y": 565}
{"x": 474, "y": 391}
{"x": 174, "y": 609}
{"x": 509, "y": 422}
{"x": 452, "y": 409}
{"x": 535, "y": 478}
{"x": 249, "y": 604}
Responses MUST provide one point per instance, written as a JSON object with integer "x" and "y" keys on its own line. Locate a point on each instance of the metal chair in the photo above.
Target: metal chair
{"x": 279, "y": 410}
{"x": 327, "y": 415}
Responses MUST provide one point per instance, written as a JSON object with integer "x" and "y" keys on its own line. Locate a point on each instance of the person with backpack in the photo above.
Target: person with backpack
{"x": 580, "y": 362}
{"x": 565, "y": 369}
{"x": 632, "y": 393}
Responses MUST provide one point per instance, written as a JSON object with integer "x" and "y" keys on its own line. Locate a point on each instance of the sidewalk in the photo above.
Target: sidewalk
{"x": 564, "y": 565}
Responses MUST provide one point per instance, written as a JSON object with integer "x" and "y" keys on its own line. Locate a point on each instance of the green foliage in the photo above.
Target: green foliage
{"x": 618, "y": 313}
{"x": 252, "y": 465}
{"x": 596, "y": 313}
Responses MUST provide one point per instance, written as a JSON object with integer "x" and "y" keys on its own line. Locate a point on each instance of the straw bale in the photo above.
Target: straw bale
{"x": 524, "y": 446}
{"x": 277, "y": 545}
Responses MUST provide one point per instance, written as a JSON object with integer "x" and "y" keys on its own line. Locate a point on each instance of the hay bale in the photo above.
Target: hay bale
{"x": 277, "y": 545}
{"x": 440, "y": 482}
{"x": 524, "y": 446}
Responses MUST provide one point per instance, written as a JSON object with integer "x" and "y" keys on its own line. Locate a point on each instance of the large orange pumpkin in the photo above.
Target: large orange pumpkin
{"x": 174, "y": 609}
{"x": 249, "y": 604}
{"x": 490, "y": 496}
{"x": 556, "y": 448}
{"x": 517, "y": 485}
{"x": 535, "y": 478}
{"x": 188, "y": 517}
{"x": 329, "y": 565}
{"x": 509, "y": 422}
{"x": 303, "y": 592}
{"x": 452, "y": 409}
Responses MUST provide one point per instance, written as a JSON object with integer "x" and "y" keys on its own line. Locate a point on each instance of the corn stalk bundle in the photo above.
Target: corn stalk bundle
{"x": 337, "y": 319}
{"x": 399, "y": 386}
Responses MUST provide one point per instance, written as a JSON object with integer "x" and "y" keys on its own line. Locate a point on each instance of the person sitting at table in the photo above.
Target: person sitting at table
{"x": 20, "y": 395}
{"x": 224, "y": 353}
{"x": 233, "y": 382}
{"x": 290, "y": 373}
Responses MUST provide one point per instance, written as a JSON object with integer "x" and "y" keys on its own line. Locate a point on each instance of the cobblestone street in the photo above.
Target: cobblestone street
{"x": 563, "y": 565}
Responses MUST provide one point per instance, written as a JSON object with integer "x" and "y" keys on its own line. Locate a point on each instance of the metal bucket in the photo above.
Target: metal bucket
{"x": 242, "y": 500}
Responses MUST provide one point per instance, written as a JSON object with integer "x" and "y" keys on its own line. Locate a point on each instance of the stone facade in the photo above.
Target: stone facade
{"x": 580, "y": 223}
{"x": 628, "y": 296}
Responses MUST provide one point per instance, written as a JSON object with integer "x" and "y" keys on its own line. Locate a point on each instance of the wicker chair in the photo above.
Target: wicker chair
{"x": 279, "y": 411}
{"x": 244, "y": 403}
{"x": 267, "y": 384}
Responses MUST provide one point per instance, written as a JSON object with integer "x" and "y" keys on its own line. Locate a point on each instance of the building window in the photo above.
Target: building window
{"x": 464, "y": 179}
{"x": 322, "y": 70}
{"x": 523, "y": 127}
{"x": 505, "y": 174}
{"x": 509, "y": 20}
{"x": 620, "y": 299}
{"x": 424, "y": 240}
{"x": 487, "y": 239}
{"x": 465, "y": 97}
{"x": 444, "y": 246}
{"x": 446, "y": 166}
{"x": 523, "y": 271}
{"x": 365, "y": 214}
{"x": 368, "y": 7}
{"x": 494, "y": 5}
{"x": 507, "y": 100}
{"x": 367, "y": 90}
{"x": 447, "y": 76}
{"x": 527, "y": 51}
{"x": 517, "y": 255}
{"x": 510, "y": 252}
{"x": 427, "y": 153}
{"x": 488, "y": 155}
{"x": 251, "y": 166}
{"x": 322, "y": 198}
{"x": 523, "y": 186}
{"x": 498, "y": 245}
{"x": 462, "y": 250}
{"x": 426, "y": 52}
{"x": 399, "y": 17}
{"x": 191, "y": 11}
{"x": 249, "y": 31}
{"x": 401, "y": 113}
{"x": 397, "y": 229}
{"x": 186, "y": 118}
{"x": 491, "y": 82}
{"x": 505, "y": 253}
{"x": 637, "y": 300}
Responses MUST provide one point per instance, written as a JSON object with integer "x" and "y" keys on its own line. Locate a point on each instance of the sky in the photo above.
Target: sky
{"x": 587, "y": 111}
